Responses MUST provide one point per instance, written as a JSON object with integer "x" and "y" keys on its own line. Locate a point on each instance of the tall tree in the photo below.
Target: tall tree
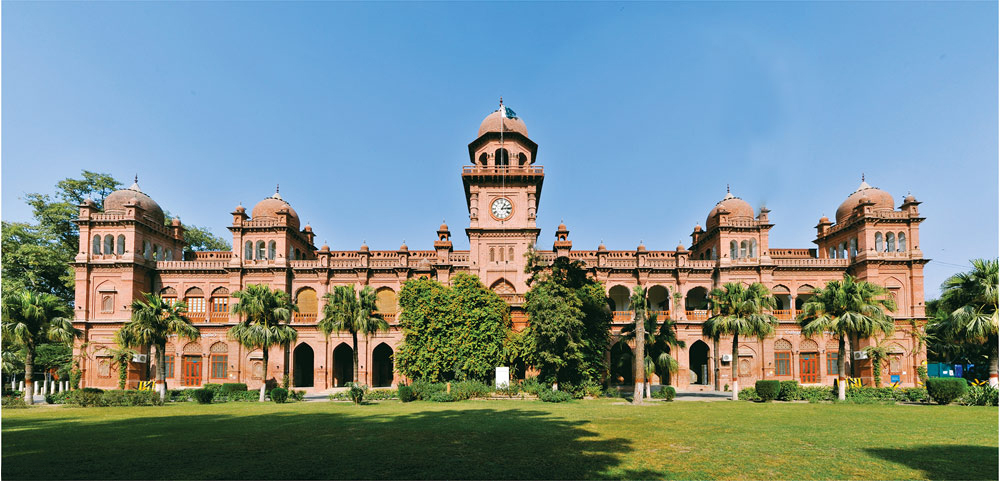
{"x": 740, "y": 310}
{"x": 154, "y": 320}
{"x": 348, "y": 310}
{"x": 31, "y": 318}
{"x": 640, "y": 305}
{"x": 847, "y": 308}
{"x": 660, "y": 338}
{"x": 973, "y": 320}
{"x": 266, "y": 314}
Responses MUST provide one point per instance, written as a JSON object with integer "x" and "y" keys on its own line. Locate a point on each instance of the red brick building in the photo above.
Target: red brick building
{"x": 126, "y": 250}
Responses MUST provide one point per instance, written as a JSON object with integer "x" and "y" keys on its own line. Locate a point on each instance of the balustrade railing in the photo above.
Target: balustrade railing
{"x": 389, "y": 317}
{"x": 696, "y": 314}
{"x": 304, "y": 317}
{"x": 783, "y": 314}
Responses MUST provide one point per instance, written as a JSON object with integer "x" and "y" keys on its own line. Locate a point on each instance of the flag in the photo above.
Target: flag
{"x": 509, "y": 113}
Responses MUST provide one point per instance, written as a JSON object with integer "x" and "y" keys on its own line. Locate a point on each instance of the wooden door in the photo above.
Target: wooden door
{"x": 191, "y": 371}
{"x": 809, "y": 367}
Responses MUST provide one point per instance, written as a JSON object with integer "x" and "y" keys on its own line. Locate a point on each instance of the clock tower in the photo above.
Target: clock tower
{"x": 502, "y": 190}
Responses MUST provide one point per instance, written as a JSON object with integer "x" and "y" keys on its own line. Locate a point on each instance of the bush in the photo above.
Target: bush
{"x": 816, "y": 393}
{"x": 944, "y": 390}
{"x": 767, "y": 390}
{"x": 297, "y": 395}
{"x": 180, "y": 395}
{"x": 85, "y": 397}
{"x": 915, "y": 394}
{"x": 442, "y": 397}
{"x": 550, "y": 396}
{"x": 13, "y": 402}
{"x": 237, "y": 396}
{"x": 789, "y": 391}
{"x": 666, "y": 393}
{"x": 984, "y": 395}
{"x": 92, "y": 390}
{"x": 406, "y": 393}
{"x": 425, "y": 390}
{"x": 510, "y": 390}
{"x": 130, "y": 398}
{"x": 279, "y": 395}
{"x": 204, "y": 396}
{"x": 380, "y": 394}
{"x": 873, "y": 395}
{"x": 357, "y": 392}
{"x": 233, "y": 387}
{"x": 469, "y": 389}
{"x": 532, "y": 386}
{"x": 748, "y": 394}
{"x": 590, "y": 389}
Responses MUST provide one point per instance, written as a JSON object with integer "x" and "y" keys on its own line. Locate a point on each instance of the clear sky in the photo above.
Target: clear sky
{"x": 643, "y": 112}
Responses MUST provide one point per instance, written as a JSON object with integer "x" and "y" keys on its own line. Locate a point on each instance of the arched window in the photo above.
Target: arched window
{"x": 482, "y": 159}
{"x": 743, "y": 249}
{"x": 878, "y": 242}
{"x": 261, "y": 253}
{"x": 248, "y": 250}
{"x": 714, "y": 255}
{"x": 219, "y": 361}
{"x": 298, "y": 254}
{"x": 501, "y": 158}
{"x": 853, "y": 248}
{"x": 501, "y": 254}
{"x": 195, "y": 300}
{"x": 271, "y": 247}
{"x": 492, "y": 254}
{"x": 842, "y": 251}
{"x": 732, "y": 249}
{"x": 147, "y": 250}
{"x": 109, "y": 244}
{"x": 169, "y": 255}
{"x": 95, "y": 249}
{"x": 833, "y": 253}
{"x": 510, "y": 254}
{"x": 753, "y": 247}
{"x": 522, "y": 159}
{"x": 158, "y": 253}
{"x": 890, "y": 242}
{"x": 902, "y": 242}
{"x": 121, "y": 244}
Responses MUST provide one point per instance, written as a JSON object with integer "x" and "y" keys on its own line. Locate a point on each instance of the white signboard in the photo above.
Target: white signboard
{"x": 503, "y": 377}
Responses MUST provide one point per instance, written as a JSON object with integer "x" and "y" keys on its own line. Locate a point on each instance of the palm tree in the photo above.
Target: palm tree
{"x": 877, "y": 353}
{"x": 848, "y": 309}
{"x": 121, "y": 356}
{"x": 154, "y": 320}
{"x": 640, "y": 304}
{"x": 975, "y": 322}
{"x": 659, "y": 339}
{"x": 739, "y": 310}
{"x": 349, "y": 311}
{"x": 266, "y": 314}
{"x": 30, "y": 318}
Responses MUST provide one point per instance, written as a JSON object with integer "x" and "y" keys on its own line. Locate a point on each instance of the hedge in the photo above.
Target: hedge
{"x": 944, "y": 390}
{"x": 666, "y": 393}
{"x": 789, "y": 391}
{"x": 767, "y": 390}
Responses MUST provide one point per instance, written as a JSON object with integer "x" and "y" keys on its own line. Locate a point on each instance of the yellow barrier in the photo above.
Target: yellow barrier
{"x": 145, "y": 386}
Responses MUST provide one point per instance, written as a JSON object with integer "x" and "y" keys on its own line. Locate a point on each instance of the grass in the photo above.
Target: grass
{"x": 502, "y": 439}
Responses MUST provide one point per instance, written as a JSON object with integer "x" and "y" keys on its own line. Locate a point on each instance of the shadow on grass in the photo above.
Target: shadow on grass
{"x": 367, "y": 444}
{"x": 945, "y": 461}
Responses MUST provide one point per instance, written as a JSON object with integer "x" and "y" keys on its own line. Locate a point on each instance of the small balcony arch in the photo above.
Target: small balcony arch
{"x": 501, "y": 158}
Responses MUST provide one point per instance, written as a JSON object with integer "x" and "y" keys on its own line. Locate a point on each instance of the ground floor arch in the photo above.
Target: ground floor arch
{"x": 343, "y": 365}
{"x": 698, "y": 363}
{"x": 303, "y": 362}
{"x": 382, "y": 366}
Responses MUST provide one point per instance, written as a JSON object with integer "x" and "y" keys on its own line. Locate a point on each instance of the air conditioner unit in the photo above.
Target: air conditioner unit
{"x": 727, "y": 358}
{"x": 139, "y": 358}
{"x": 859, "y": 355}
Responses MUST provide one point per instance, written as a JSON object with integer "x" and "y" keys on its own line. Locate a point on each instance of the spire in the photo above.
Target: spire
{"x": 727, "y": 187}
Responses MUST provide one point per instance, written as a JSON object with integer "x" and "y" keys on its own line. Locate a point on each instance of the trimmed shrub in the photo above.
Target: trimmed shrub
{"x": 180, "y": 395}
{"x": 204, "y": 396}
{"x": 873, "y": 395}
{"x": 425, "y": 390}
{"x": 299, "y": 395}
{"x": 212, "y": 386}
{"x": 944, "y": 390}
{"x": 92, "y": 390}
{"x": 789, "y": 391}
{"x": 85, "y": 397}
{"x": 985, "y": 395}
{"x": 130, "y": 398}
{"x": 767, "y": 390}
{"x": 816, "y": 393}
{"x": 279, "y": 395}
{"x": 237, "y": 396}
{"x": 915, "y": 394}
{"x": 380, "y": 394}
{"x": 666, "y": 393}
{"x": 406, "y": 393}
{"x": 551, "y": 396}
{"x": 13, "y": 402}
{"x": 234, "y": 386}
{"x": 357, "y": 392}
{"x": 442, "y": 397}
{"x": 748, "y": 394}
{"x": 469, "y": 389}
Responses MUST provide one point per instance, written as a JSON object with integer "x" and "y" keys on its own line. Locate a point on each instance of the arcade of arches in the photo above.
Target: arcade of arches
{"x": 126, "y": 250}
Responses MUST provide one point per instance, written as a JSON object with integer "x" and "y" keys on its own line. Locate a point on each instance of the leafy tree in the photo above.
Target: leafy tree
{"x": 154, "y": 320}
{"x": 847, "y": 308}
{"x": 568, "y": 334}
{"x": 660, "y": 338}
{"x": 454, "y": 333}
{"x": 970, "y": 314}
{"x": 740, "y": 310}
{"x": 348, "y": 310}
{"x": 640, "y": 306}
{"x": 266, "y": 314}
{"x": 29, "y": 319}
{"x": 34, "y": 260}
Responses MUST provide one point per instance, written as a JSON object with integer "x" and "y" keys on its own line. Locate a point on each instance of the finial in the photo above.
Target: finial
{"x": 727, "y": 188}
{"x": 501, "y": 101}
{"x": 137, "y": 178}
{"x": 277, "y": 188}
{"x": 862, "y": 177}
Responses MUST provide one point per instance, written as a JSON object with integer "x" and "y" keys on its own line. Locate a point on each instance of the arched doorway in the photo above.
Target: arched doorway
{"x": 302, "y": 375}
{"x": 343, "y": 365}
{"x": 382, "y": 366}
{"x": 659, "y": 298}
{"x": 620, "y": 297}
{"x": 698, "y": 363}
{"x": 622, "y": 364}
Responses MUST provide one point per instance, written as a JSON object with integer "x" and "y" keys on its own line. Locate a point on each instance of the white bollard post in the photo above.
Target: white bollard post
{"x": 65, "y": 385}
{"x": 20, "y": 386}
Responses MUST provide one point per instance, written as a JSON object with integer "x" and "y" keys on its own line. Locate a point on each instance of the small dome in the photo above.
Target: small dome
{"x": 824, "y": 220}
{"x": 89, "y": 202}
{"x": 680, "y": 248}
{"x": 641, "y": 248}
{"x": 883, "y": 201}
{"x": 308, "y": 228}
{"x": 325, "y": 248}
{"x": 364, "y": 247}
{"x": 737, "y": 208}
{"x": 561, "y": 227}
{"x": 492, "y": 124}
{"x": 602, "y": 247}
{"x": 403, "y": 247}
{"x": 909, "y": 199}
{"x": 697, "y": 228}
{"x": 176, "y": 221}
{"x": 443, "y": 226}
{"x": 240, "y": 209}
{"x": 269, "y": 207}
{"x": 115, "y": 202}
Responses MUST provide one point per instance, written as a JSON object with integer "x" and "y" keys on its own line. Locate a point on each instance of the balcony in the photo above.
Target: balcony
{"x": 218, "y": 316}
{"x": 389, "y": 317}
{"x": 622, "y": 316}
{"x": 784, "y": 314}
{"x": 304, "y": 317}
{"x": 697, "y": 314}
{"x": 199, "y": 316}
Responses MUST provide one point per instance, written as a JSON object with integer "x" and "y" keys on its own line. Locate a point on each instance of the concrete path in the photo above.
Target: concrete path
{"x": 703, "y": 396}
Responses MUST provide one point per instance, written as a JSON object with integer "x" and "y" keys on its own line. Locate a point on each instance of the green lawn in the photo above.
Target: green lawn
{"x": 502, "y": 439}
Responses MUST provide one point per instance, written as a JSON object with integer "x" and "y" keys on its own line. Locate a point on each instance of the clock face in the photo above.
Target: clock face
{"x": 501, "y": 208}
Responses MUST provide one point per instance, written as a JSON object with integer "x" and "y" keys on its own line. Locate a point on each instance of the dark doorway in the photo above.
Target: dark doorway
{"x": 343, "y": 365}
{"x": 382, "y": 366}
{"x": 698, "y": 363}
{"x": 302, "y": 376}
{"x": 622, "y": 364}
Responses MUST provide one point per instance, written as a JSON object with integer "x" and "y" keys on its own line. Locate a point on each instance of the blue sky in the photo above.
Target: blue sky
{"x": 642, "y": 112}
